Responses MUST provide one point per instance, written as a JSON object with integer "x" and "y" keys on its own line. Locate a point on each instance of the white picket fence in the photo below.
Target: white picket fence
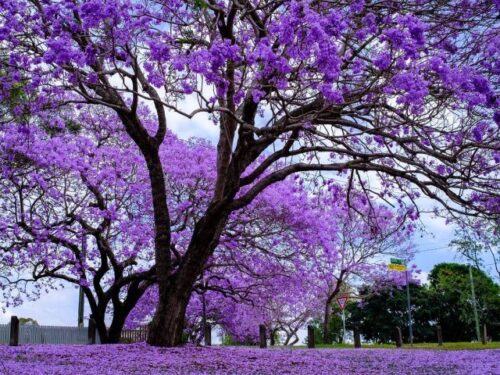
{"x": 32, "y": 334}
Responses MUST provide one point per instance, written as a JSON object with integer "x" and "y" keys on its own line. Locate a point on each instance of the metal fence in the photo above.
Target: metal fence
{"x": 33, "y": 334}
{"x": 130, "y": 336}
{"x": 4, "y": 333}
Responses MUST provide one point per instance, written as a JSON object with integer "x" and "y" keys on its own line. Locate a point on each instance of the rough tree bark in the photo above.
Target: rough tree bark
{"x": 328, "y": 306}
{"x": 174, "y": 293}
{"x": 326, "y": 323}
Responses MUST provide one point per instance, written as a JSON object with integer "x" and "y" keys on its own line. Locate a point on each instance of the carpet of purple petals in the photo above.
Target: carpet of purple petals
{"x": 141, "y": 359}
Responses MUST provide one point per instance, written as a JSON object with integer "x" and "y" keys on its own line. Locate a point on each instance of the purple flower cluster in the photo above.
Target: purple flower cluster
{"x": 142, "y": 359}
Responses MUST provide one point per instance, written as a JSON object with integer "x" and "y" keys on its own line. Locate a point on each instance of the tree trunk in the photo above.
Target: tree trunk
{"x": 295, "y": 339}
{"x": 121, "y": 310}
{"x": 326, "y": 324}
{"x": 287, "y": 338}
{"x": 100, "y": 325}
{"x": 174, "y": 293}
{"x": 116, "y": 328}
{"x": 111, "y": 336}
{"x": 168, "y": 322}
{"x": 328, "y": 308}
{"x": 114, "y": 333}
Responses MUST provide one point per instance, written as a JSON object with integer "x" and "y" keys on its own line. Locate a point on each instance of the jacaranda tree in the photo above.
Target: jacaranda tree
{"x": 401, "y": 92}
{"x": 362, "y": 233}
{"x": 76, "y": 208}
{"x": 284, "y": 271}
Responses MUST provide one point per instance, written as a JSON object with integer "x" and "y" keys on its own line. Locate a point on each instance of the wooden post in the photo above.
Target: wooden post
{"x": 14, "y": 331}
{"x": 310, "y": 337}
{"x": 91, "y": 331}
{"x": 357, "y": 337}
{"x": 208, "y": 334}
{"x": 440, "y": 335}
{"x": 262, "y": 336}
{"x": 485, "y": 335}
{"x": 399, "y": 337}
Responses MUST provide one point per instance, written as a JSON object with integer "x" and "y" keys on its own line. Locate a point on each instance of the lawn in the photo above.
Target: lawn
{"x": 425, "y": 345}
{"x": 142, "y": 359}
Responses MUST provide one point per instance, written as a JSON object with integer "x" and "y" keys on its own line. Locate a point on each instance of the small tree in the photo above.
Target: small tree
{"x": 479, "y": 242}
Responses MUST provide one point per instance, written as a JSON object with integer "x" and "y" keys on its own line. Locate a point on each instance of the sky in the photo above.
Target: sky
{"x": 60, "y": 307}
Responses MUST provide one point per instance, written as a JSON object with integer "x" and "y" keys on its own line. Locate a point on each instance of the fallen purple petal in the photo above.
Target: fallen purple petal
{"x": 143, "y": 359}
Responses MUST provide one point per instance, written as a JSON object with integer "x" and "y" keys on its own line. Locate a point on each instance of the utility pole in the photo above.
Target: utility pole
{"x": 474, "y": 304}
{"x": 81, "y": 300}
{"x": 408, "y": 302}
{"x": 206, "y": 329}
{"x": 343, "y": 326}
{"x": 401, "y": 265}
{"x": 204, "y": 313}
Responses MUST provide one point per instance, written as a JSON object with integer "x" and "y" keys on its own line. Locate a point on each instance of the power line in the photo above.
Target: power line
{"x": 433, "y": 249}
{"x": 490, "y": 264}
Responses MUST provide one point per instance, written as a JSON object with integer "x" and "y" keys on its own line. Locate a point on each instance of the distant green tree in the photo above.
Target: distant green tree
{"x": 28, "y": 322}
{"x": 378, "y": 315}
{"x": 445, "y": 301}
{"x": 13, "y": 106}
{"x": 451, "y": 301}
{"x": 334, "y": 329}
{"x": 16, "y": 107}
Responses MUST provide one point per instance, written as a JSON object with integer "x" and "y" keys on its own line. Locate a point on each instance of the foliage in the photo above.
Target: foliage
{"x": 445, "y": 301}
{"x": 378, "y": 315}
{"x": 451, "y": 300}
{"x": 334, "y": 329}
{"x": 28, "y": 321}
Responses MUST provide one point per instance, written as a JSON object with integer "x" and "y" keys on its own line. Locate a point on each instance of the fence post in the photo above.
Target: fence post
{"x": 399, "y": 337}
{"x": 485, "y": 335}
{"x": 91, "y": 331}
{"x": 357, "y": 337}
{"x": 208, "y": 334}
{"x": 440, "y": 335}
{"x": 262, "y": 336}
{"x": 310, "y": 337}
{"x": 14, "y": 331}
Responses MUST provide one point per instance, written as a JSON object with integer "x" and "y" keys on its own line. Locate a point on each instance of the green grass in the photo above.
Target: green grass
{"x": 446, "y": 346}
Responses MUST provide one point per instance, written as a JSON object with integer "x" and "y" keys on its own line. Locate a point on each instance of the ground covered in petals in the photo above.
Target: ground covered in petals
{"x": 142, "y": 359}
